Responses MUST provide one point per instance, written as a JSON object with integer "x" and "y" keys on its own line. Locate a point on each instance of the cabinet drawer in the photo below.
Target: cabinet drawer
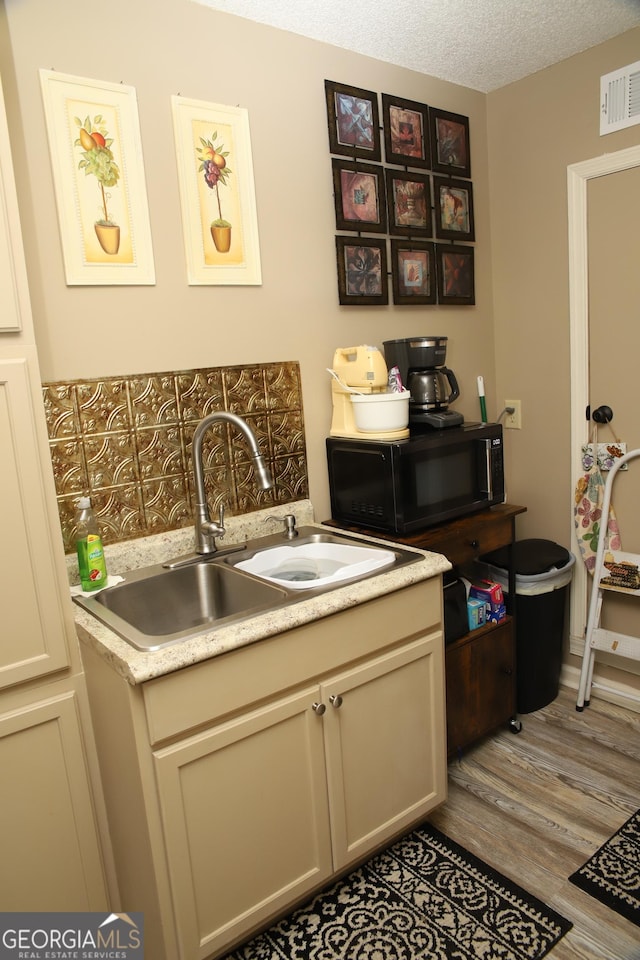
{"x": 223, "y": 685}
{"x": 464, "y": 540}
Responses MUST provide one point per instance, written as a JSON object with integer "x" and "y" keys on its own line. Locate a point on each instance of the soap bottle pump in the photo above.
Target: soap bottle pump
{"x": 91, "y": 561}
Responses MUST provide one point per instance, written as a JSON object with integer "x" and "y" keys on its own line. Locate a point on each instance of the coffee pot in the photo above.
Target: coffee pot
{"x": 433, "y": 389}
{"x": 431, "y": 384}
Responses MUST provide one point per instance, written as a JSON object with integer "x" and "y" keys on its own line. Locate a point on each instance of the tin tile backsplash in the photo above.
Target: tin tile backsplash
{"x": 126, "y": 443}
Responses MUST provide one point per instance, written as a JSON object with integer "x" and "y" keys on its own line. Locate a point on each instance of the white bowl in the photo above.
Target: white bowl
{"x": 380, "y": 412}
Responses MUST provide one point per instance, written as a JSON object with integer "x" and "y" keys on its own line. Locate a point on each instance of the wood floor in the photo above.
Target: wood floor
{"x": 537, "y": 804}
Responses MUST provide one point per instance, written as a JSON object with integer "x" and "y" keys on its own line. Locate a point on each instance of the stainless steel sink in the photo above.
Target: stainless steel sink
{"x": 156, "y": 606}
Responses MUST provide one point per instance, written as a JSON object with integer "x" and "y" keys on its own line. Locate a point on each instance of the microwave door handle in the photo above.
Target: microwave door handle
{"x": 488, "y": 472}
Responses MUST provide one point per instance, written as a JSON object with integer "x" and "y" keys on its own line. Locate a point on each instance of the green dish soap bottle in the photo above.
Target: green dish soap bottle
{"x": 91, "y": 562}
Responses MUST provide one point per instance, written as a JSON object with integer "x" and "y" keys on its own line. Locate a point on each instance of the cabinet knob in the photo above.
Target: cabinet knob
{"x": 335, "y": 700}
{"x": 318, "y": 708}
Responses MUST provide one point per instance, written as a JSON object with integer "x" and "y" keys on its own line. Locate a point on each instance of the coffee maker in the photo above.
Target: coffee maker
{"x": 431, "y": 384}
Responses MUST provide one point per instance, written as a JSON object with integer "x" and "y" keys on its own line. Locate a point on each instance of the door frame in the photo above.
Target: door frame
{"x": 578, "y": 176}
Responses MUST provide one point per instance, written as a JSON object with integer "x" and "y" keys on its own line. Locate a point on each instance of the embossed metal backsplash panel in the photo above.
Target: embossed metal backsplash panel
{"x": 126, "y": 443}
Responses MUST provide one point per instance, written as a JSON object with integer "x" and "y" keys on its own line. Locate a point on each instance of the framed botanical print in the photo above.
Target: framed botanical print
{"x": 354, "y": 121}
{"x": 217, "y": 193}
{"x": 406, "y": 132}
{"x": 450, "y": 143}
{"x": 409, "y": 203}
{"x": 413, "y": 272}
{"x": 455, "y": 273}
{"x": 99, "y": 180}
{"x": 453, "y": 201}
{"x": 359, "y": 194}
{"x": 362, "y": 271}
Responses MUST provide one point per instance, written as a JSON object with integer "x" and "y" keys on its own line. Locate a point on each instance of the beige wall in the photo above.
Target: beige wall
{"x": 536, "y": 129}
{"x": 182, "y": 47}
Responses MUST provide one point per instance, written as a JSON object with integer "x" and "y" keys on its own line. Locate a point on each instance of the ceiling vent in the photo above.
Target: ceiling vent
{"x": 620, "y": 99}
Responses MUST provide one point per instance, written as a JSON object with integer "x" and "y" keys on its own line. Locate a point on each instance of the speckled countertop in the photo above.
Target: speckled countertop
{"x": 137, "y": 666}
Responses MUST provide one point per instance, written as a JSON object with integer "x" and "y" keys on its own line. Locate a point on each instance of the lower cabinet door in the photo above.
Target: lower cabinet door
{"x": 51, "y": 858}
{"x": 481, "y": 695}
{"x": 246, "y": 821}
{"x": 384, "y": 730}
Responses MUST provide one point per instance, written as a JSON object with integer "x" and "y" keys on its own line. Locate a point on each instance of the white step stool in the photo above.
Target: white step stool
{"x": 620, "y": 567}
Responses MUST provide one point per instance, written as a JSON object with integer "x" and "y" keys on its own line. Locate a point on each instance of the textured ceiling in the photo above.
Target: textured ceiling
{"x": 482, "y": 44}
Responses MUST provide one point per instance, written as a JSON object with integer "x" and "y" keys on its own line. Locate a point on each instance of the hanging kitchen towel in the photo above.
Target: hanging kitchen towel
{"x": 589, "y": 496}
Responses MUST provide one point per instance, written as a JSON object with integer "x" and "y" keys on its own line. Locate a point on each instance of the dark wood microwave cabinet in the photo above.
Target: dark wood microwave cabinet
{"x": 481, "y": 665}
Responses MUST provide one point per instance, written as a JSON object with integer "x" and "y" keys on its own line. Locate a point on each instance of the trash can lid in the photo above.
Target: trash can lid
{"x": 530, "y": 556}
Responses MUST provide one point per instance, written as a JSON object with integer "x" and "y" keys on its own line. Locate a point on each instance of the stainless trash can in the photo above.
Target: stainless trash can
{"x": 544, "y": 571}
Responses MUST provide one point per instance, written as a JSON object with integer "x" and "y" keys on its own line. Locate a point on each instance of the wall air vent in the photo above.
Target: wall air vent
{"x": 620, "y": 99}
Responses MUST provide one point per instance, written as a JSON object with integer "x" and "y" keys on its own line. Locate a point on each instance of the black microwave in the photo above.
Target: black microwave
{"x": 401, "y": 486}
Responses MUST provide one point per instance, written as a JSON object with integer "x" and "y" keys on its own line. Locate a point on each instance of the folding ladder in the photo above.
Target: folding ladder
{"x": 617, "y": 572}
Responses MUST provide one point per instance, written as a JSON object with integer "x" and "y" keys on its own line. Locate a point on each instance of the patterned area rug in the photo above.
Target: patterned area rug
{"x": 424, "y": 897}
{"x": 612, "y": 875}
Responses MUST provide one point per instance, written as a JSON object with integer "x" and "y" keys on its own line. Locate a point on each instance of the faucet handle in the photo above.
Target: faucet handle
{"x": 289, "y": 521}
{"x": 214, "y": 529}
{"x": 221, "y": 521}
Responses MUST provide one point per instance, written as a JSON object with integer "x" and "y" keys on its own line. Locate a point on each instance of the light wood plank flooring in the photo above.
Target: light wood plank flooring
{"x": 537, "y": 804}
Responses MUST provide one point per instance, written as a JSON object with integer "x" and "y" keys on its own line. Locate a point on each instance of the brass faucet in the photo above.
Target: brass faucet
{"x": 206, "y": 529}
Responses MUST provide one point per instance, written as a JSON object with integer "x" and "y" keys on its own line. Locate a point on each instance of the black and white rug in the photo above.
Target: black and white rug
{"x": 612, "y": 874}
{"x": 424, "y": 898}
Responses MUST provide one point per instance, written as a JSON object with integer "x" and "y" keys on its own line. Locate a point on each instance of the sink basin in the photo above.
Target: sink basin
{"x": 155, "y": 607}
{"x": 159, "y": 606}
{"x": 315, "y": 562}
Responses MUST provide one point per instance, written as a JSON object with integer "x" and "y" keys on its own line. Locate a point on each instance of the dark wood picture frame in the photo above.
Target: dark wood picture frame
{"x": 362, "y": 271}
{"x": 450, "y": 150}
{"x": 413, "y": 272}
{"x": 409, "y": 203}
{"x": 360, "y": 196}
{"x": 354, "y": 121}
{"x": 406, "y": 132}
{"x": 453, "y": 209}
{"x": 455, "y": 273}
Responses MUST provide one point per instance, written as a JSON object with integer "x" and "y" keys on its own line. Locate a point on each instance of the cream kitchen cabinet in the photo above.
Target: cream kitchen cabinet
{"x": 246, "y": 820}
{"x": 49, "y": 813}
{"x": 244, "y": 783}
{"x": 50, "y": 853}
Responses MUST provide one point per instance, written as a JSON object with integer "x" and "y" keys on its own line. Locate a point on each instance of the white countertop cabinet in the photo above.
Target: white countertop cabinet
{"x": 239, "y": 785}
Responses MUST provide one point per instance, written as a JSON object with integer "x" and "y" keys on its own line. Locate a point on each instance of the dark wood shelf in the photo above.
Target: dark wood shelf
{"x": 481, "y": 665}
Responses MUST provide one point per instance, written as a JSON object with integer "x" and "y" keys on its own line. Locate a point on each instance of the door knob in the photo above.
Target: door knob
{"x": 603, "y": 414}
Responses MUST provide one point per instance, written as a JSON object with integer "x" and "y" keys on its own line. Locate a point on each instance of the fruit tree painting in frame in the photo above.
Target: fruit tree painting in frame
{"x": 98, "y": 179}
{"x": 217, "y": 193}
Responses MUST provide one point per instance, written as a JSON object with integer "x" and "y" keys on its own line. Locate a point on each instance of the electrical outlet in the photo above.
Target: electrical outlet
{"x": 513, "y": 421}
